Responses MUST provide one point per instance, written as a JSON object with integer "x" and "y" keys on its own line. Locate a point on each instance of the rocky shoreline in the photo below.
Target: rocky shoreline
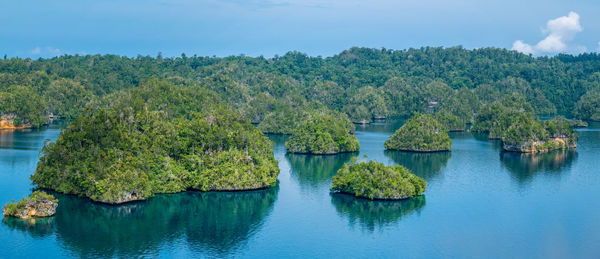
{"x": 39, "y": 204}
{"x": 540, "y": 146}
{"x": 7, "y": 122}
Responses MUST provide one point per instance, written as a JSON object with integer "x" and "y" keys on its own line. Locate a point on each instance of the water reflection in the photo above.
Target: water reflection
{"x": 29, "y": 139}
{"x": 374, "y": 214}
{"x": 213, "y": 222}
{"x": 524, "y": 166}
{"x": 38, "y": 228}
{"x": 426, "y": 165}
{"x": 312, "y": 171}
{"x": 389, "y": 126}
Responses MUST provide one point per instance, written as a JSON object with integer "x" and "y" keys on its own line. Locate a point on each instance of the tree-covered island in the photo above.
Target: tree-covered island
{"x": 528, "y": 135}
{"x": 159, "y": 138}
{"x": 323, "y": 133}
{"x": 374, "y": 180}
{"x": 420, "y": 133}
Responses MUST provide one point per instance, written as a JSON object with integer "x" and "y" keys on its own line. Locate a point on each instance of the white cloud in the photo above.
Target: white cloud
{"x": 36, "y": 51}
{"x": 599, "y": 46}
{"x": 46, "y": 51}
{"x": 560, "y": 32}
{"x": 522, "y": 47}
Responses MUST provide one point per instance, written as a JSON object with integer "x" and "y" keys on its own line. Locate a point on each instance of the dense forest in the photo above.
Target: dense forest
{"x": 157, "y": 138}
{"x": 420, "y": 133}
{"x": 364, "y": 83}
{"x": 323, "y": 133}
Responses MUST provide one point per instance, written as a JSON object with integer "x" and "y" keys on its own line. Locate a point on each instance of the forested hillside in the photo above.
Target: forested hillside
{"x": 365, "y": 83}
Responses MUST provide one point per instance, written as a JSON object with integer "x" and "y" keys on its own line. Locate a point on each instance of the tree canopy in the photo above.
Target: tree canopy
{"x": 323, "y": 133}
{"x": 156, "y": 139}
{"x": 420, "y": 133}
{"x": 374, "y": 180}
{"x": 364, "y": 83}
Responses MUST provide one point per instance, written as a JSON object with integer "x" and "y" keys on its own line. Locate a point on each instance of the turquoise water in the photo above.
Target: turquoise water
{"x": 480, "y": 202}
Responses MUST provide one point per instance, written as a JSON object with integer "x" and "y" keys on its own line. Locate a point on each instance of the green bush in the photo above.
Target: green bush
{"x": 375, "y": 180}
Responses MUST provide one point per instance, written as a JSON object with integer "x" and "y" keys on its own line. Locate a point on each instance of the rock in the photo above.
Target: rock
{"x": 7, "y": 121}
{"x": 39, "y": 204}
{"x": 125, "y": 196}
{"x": 541, "y": 146}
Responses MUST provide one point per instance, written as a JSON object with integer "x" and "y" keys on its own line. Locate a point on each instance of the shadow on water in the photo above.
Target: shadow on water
{"x": 313, "y": 171}
{"x": 209, "y": 222}
{"x": 525, "y": 166}
{"x": 484, "y": 137}
{"x": 425, "y": 165}
{"x": 372, "y": 214}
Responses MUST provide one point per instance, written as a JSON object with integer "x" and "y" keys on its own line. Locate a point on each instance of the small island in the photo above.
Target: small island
{"x": 39, "y": 204}
{"x": 324, "y": 134}
{"x": 421, "y": 133}
{"x": 374, "y": 180}
{"x": 527, "y": 135}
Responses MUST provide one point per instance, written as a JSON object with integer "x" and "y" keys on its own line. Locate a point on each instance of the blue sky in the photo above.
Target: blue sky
{"x": 32, "y": 28}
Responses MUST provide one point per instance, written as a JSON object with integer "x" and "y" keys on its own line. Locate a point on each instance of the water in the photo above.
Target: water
{"x": 480, "y": 202}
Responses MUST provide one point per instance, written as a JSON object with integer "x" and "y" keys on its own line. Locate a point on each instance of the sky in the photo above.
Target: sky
{"x": 41, "y": 28}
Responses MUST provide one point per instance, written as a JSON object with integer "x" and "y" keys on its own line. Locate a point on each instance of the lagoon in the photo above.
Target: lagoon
{"x": 480, "y": 202}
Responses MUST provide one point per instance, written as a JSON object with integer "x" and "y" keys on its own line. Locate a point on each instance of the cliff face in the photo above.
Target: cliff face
{"x": 541, "y": 146}
{"x": 7, "y": 121}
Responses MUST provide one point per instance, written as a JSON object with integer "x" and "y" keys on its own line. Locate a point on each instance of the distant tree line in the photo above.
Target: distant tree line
{"x": 364, "y": 83}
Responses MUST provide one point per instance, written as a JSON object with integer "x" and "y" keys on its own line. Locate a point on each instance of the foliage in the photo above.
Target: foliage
{"x": 375, "y": 180}
{"x": 588, "y": 106}
{"x": 26, "y": 105}
{"x": 450, "y": 121}
{"x": 323, "y": 133}
{"x": 530, "y": 135}
{"x": 282, "y": 121}
{"x": 497, "y": 117}
{"x": 362, "y": 82}
{"x": 421, "y": 133}
{"x": 366, "y": 104}
{"x": 156, "y": 139}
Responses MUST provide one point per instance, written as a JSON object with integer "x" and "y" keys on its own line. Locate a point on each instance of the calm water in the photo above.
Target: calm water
{"x": 480, "y": 202}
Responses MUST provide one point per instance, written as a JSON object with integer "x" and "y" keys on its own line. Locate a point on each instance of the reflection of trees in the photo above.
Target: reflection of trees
{"x": 278, "y": 139}
{"x": 426, "y": 165}
{"x": 312, "y": 171}
{"x": 211, "y": 222}
{"x": 523, "y": 166}
{"x": 389, "y": 126}
{"x": 370, "y": 214}
{"x": 37, "y": 227}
